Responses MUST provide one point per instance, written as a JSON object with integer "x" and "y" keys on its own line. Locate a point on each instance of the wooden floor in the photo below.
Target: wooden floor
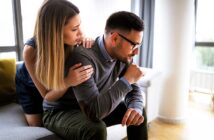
{"x": 199, "y": 124}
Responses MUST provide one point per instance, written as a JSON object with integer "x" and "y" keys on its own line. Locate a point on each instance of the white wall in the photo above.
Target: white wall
{"x": 173, "y": 41}
{"x": 95, "y": 12}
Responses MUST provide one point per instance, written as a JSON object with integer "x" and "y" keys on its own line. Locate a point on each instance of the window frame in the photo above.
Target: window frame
{"x": 18, "y": 31}
{"x": 201, "y": 43}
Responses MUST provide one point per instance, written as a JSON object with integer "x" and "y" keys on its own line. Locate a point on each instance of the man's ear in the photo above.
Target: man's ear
{"x": 114, "y": 38}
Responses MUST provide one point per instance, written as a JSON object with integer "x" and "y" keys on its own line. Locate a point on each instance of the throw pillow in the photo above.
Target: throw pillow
{"x": 7, "y": 80}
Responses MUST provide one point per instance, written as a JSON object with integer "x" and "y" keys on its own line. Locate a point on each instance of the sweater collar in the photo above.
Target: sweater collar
{"x": 103, "y": 49}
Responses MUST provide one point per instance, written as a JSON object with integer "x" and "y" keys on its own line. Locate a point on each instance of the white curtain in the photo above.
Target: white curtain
{"x": 146, "y": 9}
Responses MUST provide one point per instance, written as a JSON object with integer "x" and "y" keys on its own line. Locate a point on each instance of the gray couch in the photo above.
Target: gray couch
{"x": 13, "y": 125}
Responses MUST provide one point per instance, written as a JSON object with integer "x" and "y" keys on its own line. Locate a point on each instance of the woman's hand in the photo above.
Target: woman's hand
{"x": 78, "y": 74}
{"x": 87, "y": 42}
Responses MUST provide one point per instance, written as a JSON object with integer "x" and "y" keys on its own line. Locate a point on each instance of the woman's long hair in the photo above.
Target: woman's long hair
{"x": 50, "y": 58}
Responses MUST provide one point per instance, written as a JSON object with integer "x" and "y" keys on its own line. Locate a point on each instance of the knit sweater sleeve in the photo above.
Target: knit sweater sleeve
{"x": 94, "y": 104}
{"x": 134, "y": 99}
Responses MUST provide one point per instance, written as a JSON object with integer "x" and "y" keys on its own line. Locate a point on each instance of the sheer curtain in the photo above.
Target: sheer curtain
{"x": 146, "y": 9}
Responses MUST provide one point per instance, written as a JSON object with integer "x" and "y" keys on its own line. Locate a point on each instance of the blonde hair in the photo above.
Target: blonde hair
{"x": 50, "y": 58}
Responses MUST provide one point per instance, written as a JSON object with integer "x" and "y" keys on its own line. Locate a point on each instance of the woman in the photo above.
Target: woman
{"x": 44, "y": 74}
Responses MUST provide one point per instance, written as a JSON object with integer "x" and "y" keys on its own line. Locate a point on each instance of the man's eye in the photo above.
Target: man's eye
{"x": 74, "y": 30}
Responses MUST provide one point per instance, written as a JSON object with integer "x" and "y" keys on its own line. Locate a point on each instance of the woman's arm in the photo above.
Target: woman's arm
{"x": 77, "y": 74}
{"x": 29, "y": 56}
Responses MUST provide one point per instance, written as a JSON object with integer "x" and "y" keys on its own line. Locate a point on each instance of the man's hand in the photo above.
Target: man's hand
{"x": 132, "y": 117}
{"x": 133, "y": 73}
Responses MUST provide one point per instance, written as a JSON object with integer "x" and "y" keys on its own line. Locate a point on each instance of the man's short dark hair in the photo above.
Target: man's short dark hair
{"x": 124, "y": 21}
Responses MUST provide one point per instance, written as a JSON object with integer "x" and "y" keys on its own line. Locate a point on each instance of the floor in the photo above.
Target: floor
{"x": 199, "y": 124}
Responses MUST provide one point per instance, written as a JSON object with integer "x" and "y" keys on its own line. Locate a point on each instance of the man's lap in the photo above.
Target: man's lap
{"x": 74, "y": 123}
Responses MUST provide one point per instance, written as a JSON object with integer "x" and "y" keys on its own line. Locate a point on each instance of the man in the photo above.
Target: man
{"x": 111, "y": 95}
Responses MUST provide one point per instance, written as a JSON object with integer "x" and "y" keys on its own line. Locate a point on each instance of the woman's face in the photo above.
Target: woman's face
{"x": 72, "y": 31}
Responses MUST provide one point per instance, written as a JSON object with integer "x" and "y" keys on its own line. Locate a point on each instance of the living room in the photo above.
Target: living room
{"x": 178, "y": 45}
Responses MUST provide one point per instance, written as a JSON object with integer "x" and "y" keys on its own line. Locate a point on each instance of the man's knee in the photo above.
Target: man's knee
{"x": 99, "y": 131}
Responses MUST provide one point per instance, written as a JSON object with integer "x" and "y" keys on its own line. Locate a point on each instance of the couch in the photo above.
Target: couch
{"x": 13, "y": 125}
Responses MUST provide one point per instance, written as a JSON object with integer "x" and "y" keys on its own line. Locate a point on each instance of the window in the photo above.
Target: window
{"x": 8, "y": 55}
{"x": 204, "y": 50}
{"x": 205, "y": 21}
{"x": 7, "y": 36}
{"x": 18, "y": 21}
{"x": 6, "y": 24}
{"x": 202, "y": 75}
{"x": 29, "y": 13}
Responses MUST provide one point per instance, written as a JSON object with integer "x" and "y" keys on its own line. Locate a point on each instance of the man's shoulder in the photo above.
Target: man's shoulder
{"x": 80, "y": 51}
{"x": 86, "y": 52}
{"x": 84, "y": 55}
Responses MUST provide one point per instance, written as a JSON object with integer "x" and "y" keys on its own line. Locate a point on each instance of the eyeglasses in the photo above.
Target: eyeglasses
{"x": 134, "y": 45}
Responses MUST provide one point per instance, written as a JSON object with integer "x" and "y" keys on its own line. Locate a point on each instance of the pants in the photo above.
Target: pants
{"x": 74, "y": 125}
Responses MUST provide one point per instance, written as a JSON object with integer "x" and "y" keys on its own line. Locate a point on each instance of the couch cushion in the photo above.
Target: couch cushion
{"x": 27, "y": 133}
{"x": 14, "y": 126}
{"x": 11, "y": 115}
{"x": 7, "y": 80}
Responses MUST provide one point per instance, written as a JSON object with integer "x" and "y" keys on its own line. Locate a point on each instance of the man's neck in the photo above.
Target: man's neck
{"x": 107, "y": 45}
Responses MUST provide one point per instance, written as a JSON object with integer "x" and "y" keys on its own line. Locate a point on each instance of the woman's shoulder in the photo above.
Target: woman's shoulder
{"x": 31, "y": 42}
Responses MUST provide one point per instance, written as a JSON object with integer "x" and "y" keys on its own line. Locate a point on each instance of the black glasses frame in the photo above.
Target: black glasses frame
{"x": 135, "y": 45}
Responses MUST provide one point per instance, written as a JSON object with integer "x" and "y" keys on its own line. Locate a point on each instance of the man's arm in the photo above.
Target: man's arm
{"x": 94, "y": 104}
{"x": 134, "y": 99}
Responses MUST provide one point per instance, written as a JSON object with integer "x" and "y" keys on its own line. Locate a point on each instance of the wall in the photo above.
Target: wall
{"x": 173, "y": 42}
{"x": 95, "y": 12}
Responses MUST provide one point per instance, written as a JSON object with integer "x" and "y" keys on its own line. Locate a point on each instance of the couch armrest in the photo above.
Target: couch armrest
{"x": 150, "y": 85}
{"x": 150, "y": 74}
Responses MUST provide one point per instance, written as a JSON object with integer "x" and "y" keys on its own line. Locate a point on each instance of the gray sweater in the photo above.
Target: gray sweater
{"x": 106, "y": 88}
